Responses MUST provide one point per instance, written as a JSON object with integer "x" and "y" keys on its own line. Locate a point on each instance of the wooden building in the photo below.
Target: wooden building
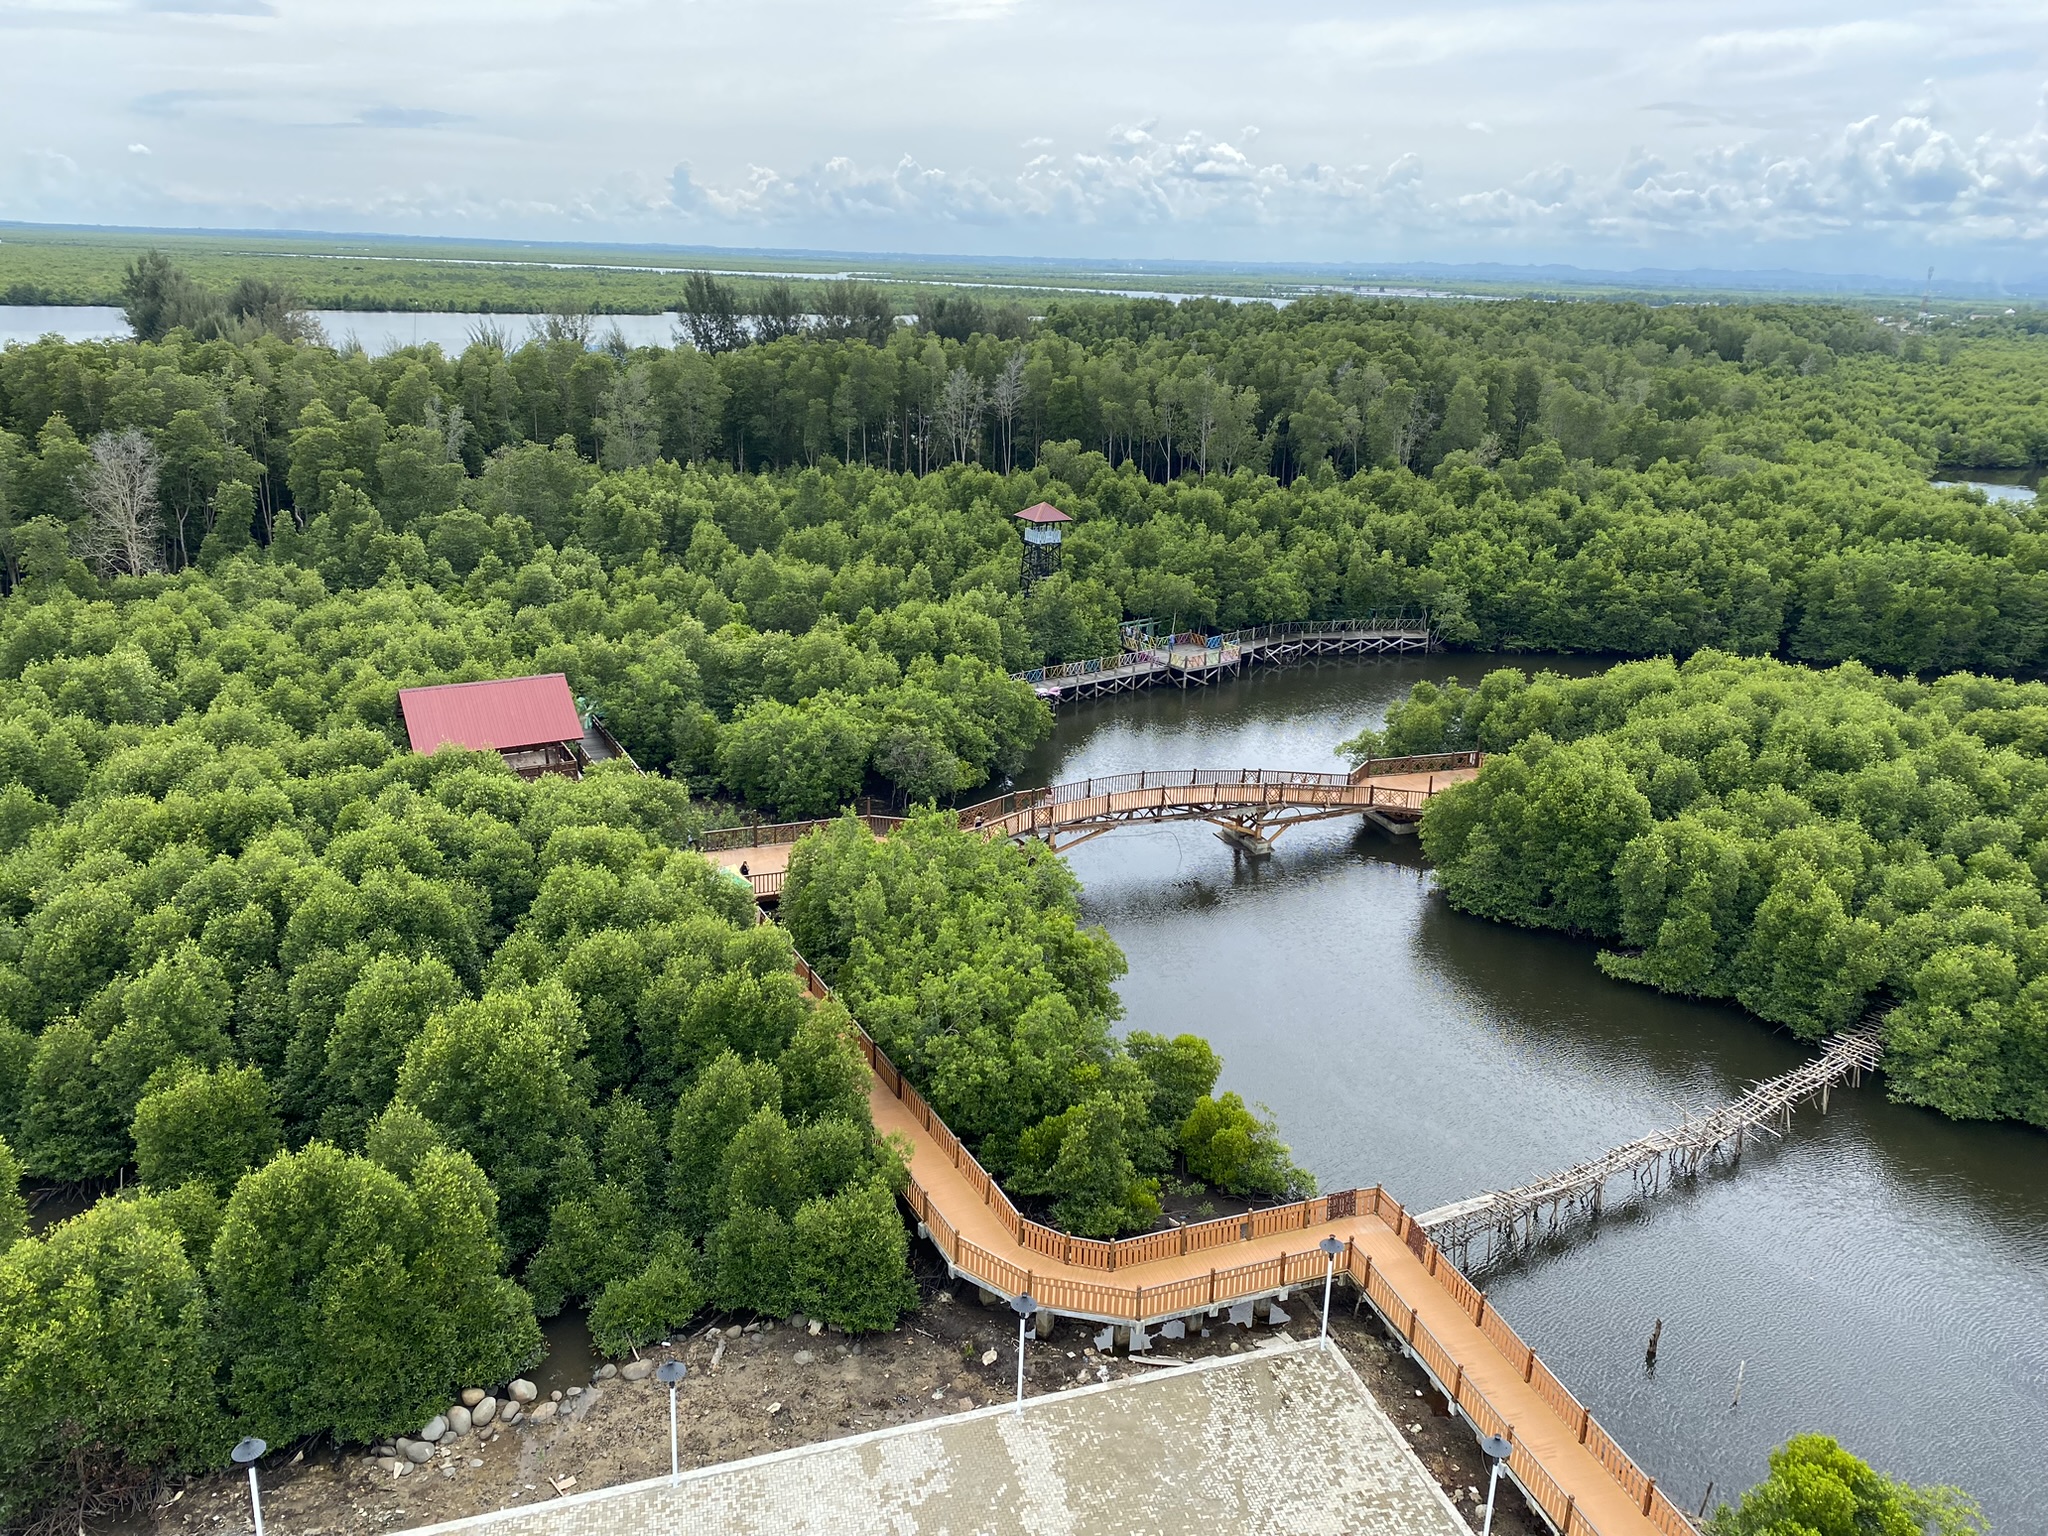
{"x": 532, "y": 722}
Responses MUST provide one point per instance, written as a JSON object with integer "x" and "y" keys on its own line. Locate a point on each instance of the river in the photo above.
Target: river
{"x": 376, "y": 331}
{"x": 1882, "y": 1276}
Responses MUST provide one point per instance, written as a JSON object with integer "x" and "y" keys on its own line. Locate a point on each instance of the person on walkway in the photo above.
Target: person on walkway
{"x": 743, "y": 870}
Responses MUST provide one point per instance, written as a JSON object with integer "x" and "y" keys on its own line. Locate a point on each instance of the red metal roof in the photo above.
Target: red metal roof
{"x": 1044, "y": 512}
{"x": 511, "y": 712}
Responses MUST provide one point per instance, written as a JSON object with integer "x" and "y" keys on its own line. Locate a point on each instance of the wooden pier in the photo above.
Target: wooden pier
{"x": 1500, "y": 1222}
{"x": 1193, "y": 659}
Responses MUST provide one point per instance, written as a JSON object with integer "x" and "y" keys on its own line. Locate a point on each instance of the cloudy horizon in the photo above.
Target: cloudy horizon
{"x": 1811, "y": 137}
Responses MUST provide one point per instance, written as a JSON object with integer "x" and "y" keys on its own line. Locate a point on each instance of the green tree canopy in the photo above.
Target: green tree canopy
{"x": 353, "y": 1302}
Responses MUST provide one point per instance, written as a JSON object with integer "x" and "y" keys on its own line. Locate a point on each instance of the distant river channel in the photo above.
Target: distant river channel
{"x": 1882, "y": 1276}
{"x": 376, "y": 331}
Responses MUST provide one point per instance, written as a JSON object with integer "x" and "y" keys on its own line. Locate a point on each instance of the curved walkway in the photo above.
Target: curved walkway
{"x": 1252, "y": 806}
{"x": 1566, "y": 1463}
{"x": 1254, "y": 803}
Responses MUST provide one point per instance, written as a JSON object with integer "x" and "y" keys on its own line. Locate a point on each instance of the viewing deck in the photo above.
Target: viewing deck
{"x": 1194, "y": 659}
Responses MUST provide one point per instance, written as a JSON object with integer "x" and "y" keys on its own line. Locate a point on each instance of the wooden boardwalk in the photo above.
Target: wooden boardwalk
{"x": 1251, "y": 806}
{"x": 1196, "y": 659}
{"x": 1570, "y": 1468}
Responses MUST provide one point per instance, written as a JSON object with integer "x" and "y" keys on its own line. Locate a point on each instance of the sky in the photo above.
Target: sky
{"x": 1824, "y": 137}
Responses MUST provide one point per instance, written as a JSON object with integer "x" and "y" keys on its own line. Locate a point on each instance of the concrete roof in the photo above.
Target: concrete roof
{"x": 1280, "y": 1441}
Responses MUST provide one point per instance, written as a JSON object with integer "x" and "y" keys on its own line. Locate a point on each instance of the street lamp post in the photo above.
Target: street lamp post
{"x": 245, "y": 1455}
{"x": 1331, "y": 1248}
{"x": 1497, "y": 1449}
{"x": 670, "y": 1374}
{"x": 1023, "y": 1306}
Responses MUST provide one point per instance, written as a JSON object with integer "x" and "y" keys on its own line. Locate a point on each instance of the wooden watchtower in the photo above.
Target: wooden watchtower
{"x": 1041, "y": 541}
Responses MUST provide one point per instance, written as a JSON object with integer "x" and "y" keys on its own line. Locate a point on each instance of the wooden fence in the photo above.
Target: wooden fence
{"x": 772, "y": 833}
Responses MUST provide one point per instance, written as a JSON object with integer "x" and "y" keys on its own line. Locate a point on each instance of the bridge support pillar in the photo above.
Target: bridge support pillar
{"x": 1246, "y": 840}
{"x": 1389, "y": 826}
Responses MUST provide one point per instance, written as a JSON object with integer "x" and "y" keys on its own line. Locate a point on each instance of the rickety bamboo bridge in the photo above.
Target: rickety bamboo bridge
{"x": 1502, "y": 1221}
{"x": 1249, "y": 807}
{"x": 1565, "y": 1462}
{"x": 1196, "y": 659}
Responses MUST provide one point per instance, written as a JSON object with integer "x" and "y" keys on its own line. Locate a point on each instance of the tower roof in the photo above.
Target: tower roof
{"x": 1044, "y": 512}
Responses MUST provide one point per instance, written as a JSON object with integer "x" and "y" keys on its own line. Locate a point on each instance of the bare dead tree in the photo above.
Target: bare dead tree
{"x": 1166, "y": 415}
{"x": 1200, "y": 403}
{"x": 961, "y": 404}
{"x": 1006, "y": 395}
{"x": 1412, "y": 430}
{"x": 124, "y": 526}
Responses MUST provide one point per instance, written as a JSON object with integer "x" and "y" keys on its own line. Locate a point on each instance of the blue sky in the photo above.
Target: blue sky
{"x": 1828, "y": 137}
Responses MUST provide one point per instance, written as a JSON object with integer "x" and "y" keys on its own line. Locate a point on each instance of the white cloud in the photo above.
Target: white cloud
{"x": 138, "y": 149}
{"x": 1873, "y": 178}
{"x": 1808, "y": 132}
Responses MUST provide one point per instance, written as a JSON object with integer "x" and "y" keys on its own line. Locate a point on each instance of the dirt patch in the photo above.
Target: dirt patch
{"x": 777, "y": 1386}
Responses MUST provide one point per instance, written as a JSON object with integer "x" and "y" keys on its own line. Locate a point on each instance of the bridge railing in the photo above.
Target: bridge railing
{"x": 774, "y": 833}
{"x": 1400, "y": 622}
{"x": 1059, "y": 671}
{"x": 1017, "y": 802}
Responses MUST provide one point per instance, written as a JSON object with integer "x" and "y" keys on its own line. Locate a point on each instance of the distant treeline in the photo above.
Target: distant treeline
{"x": 1584, "y": 476}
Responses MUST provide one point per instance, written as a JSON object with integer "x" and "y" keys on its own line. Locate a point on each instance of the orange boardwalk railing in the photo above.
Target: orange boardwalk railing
{"x": 773, "y": 833}
{"x": 1301, "y": 1265}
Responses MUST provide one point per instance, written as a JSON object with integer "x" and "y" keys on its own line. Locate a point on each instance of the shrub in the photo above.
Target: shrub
{"x": 353, "y": 1302}
{"x": 1238, "y": 1152}
{"x": 1818, "y": 1489}
{"x": 853, "y": 1260}
{"x": 647, "y": 1306}
{"x": 213, "y": 1126}
{"x": 106, "y": 1363}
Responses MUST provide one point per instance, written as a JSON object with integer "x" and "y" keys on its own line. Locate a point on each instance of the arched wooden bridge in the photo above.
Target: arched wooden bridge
{"x": 1249, "y": 807}
{"x": 1252, "y": 806}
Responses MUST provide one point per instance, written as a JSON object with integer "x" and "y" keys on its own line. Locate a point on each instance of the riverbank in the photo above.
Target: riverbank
{"x": 775, "y": 1386}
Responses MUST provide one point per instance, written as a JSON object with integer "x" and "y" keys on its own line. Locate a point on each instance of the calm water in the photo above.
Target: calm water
{"x": 2008, "y": 485}
{"x": 1884, "y": 1273}
{"x": 378, "y": 331}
